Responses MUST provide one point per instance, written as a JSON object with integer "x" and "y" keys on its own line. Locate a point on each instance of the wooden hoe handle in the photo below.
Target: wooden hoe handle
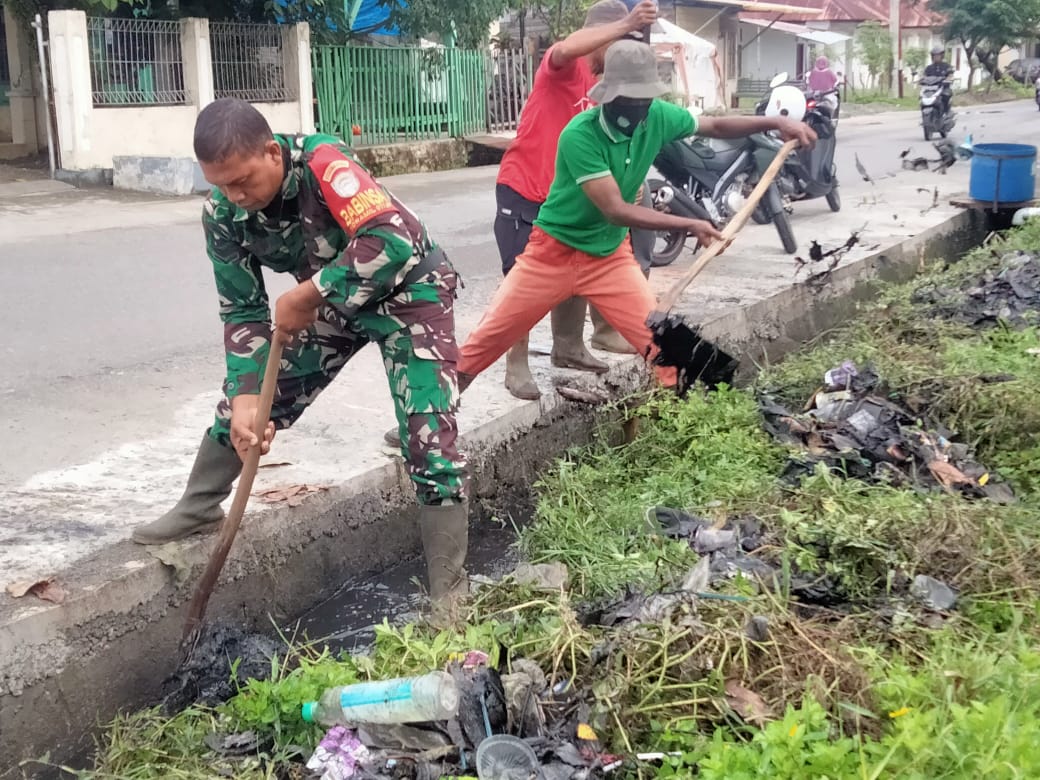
{"x": 229, "y": 527}
{"x": 669, "y": 299}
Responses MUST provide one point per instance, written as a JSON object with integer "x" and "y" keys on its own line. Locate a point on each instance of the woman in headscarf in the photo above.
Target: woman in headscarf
{"x": 822, "y": 78}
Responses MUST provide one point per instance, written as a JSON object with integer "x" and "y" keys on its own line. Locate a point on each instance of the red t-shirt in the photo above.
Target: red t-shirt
{"x": 559, "y": 94}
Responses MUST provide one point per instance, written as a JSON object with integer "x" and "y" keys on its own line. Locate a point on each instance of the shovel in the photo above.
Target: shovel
{"x": 228, "y": 529}
{"x": 680, "y": 344}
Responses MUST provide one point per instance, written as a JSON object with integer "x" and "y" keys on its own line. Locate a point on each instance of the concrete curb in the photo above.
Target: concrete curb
{"x": 63, "y": 669}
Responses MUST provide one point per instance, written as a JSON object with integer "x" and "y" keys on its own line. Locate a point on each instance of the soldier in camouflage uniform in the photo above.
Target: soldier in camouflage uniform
{"x": 367, "y": 271}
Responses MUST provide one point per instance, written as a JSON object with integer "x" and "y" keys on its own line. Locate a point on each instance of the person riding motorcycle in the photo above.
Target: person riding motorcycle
{"x": 939, "y": 68}
{"x": 824, "y": 81}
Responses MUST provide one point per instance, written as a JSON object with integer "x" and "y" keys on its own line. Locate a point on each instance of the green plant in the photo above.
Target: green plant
{"x": 874, "y": 45}
{"x": 915, "y": 59}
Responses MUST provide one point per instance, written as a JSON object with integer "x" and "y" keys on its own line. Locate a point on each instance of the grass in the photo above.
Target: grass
{"x": 877, "y": 688}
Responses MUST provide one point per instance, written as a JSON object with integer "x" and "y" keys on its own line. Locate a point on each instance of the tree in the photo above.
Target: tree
{"x": 562, "y": 16}
{"x": 986, "y": 27}
{"x": 915, "y": 59}
{"x": 464, "y": 21}
{"x": 874, "y": 46}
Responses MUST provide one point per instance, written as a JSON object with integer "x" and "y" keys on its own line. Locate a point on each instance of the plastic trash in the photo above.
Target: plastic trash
{"x": 933, "y": 593}
{"x": 839, "y": 378}
{"x": 338, "y": 755}
{"x": 504, "y": 757}
{"x": 431, "y": 697}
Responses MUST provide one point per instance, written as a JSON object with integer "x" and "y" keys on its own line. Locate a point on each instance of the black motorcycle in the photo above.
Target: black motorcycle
{"x": 712, "y": 182}
{"x": 809, "y": 173}
{"x": 936, "y": 91}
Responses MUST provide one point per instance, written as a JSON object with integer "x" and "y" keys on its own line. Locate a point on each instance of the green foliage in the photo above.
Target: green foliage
{"x": 874, "y": 46}
{"x": 801, "y": 745}
{"x": 915, "y": 59}
{"x": 985, "y": 27}
{"x": 272, "y": 706}
{"x": 707, "y": 453}
{"x": 465, "y": 22}
{"x": 961, "y": 709}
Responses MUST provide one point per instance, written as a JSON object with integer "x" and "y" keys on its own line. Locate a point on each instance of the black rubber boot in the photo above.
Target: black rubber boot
{"x": 198, "y": 511}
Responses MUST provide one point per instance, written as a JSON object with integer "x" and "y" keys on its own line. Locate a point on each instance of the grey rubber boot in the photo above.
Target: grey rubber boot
{"x": 606, "y": 338}
{"x": 445, "y": 539}
{"x": 568, "y": 329}
{"x": 198, "y": 511}
{"x": 519, "y": 381}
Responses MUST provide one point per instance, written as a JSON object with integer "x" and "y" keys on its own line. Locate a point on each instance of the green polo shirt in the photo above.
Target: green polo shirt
{"x": 590, "y": 149}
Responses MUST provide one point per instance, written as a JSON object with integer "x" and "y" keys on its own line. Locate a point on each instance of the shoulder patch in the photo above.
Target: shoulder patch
{"x": 354, "y": 198}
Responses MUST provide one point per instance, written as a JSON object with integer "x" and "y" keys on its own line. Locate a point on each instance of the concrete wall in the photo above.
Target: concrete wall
{"x": 720, "y": 29}
{"x": 97, "y": 137}
{"x": 770, "y": 53}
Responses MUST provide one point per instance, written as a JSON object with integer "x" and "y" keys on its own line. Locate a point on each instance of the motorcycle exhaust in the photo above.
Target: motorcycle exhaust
{"x": 677, "y": 202}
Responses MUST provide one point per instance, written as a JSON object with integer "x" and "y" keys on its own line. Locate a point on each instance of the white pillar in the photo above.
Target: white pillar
{"x": 197, "y": 61}
{"x": 296, "y": 48}
{"x": 73, "y": 99}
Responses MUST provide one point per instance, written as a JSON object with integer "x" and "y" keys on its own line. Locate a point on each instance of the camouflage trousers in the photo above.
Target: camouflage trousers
{"x": 416, "y": 334}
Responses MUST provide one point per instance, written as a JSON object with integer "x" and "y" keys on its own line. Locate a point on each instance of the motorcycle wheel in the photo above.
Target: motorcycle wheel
{"x": 927, "y": 133}
{"x": 783, "y": 227}
{"x": 834, "y": 199}
{"x": 674, "y": 241}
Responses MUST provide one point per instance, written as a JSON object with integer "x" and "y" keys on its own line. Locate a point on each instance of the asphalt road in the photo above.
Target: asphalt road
{"x": 109, "y": 316}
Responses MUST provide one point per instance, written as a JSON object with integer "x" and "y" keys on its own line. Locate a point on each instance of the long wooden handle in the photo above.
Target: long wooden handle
{"x": 669, "y": 299}
{"x": 229, "y": 527}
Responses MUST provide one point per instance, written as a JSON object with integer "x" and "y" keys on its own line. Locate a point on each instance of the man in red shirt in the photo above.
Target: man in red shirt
{"x": 567, "y": 72}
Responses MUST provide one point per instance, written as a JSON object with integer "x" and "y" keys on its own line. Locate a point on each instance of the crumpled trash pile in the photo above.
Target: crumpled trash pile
{"x": 515, "y": 726}
{"x": 1010, "y": 295}
{"x": 855, "y": 431}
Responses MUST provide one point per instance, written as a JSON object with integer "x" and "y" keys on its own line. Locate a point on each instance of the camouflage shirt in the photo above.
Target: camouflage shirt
{"x": 331, "y": 222}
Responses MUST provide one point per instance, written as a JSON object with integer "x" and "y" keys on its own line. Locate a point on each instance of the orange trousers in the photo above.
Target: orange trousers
{"x": 547, "y": 273}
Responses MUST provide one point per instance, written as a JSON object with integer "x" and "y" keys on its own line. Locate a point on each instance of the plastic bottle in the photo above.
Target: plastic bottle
{"x": 431, "y": 697}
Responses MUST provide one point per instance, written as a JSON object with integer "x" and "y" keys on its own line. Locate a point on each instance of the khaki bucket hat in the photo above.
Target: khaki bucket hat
{"x": 629, "y": 70}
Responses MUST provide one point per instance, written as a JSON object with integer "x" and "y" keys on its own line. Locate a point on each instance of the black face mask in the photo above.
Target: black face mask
{"x": 626, "y": 113}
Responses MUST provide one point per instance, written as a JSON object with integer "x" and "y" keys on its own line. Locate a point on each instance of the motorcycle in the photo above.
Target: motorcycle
{"x": 712, "y": 182}
{"x": 809, "y": 173}
{"x": 933, "y": 119}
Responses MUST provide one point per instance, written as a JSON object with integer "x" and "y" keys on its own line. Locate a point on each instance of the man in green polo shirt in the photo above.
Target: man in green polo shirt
{"x": 580, "y": 242}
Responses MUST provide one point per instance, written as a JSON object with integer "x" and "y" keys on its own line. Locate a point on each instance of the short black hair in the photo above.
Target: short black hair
{"x": 229, "y": 126}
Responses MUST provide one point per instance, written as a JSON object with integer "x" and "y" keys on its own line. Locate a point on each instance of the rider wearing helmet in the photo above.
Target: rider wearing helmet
{"x": 941, "y": 69}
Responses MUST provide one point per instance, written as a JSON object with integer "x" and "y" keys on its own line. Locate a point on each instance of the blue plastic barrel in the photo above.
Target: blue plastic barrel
{"x": 1002, "y": 173}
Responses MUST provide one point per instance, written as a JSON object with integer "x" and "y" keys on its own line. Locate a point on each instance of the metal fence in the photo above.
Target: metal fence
{"x": 369, "y": 95}
{"x": 249, "y": 62}
{"x": 135, "y": 62}
{"x": 509, "y": 84}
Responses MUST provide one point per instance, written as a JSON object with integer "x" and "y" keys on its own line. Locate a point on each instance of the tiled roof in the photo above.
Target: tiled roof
{"x": 912, "y": 14}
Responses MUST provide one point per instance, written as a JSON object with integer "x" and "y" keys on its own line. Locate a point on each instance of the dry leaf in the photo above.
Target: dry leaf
{"x": 293, "y": 495}
{"x": 585, "y": 732}
{"x": 948, "y": 474}
{"x": 48, "y": 590}
{"x": 581, "y": 396}
{"x": 747, "y": 704}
